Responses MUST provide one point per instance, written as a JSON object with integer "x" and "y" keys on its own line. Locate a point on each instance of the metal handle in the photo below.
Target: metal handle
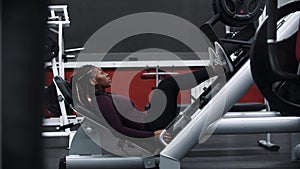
{"x": 161, "y": 137}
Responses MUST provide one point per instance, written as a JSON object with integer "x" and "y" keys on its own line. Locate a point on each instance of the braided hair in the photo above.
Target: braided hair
{"x": 82, "y": 88}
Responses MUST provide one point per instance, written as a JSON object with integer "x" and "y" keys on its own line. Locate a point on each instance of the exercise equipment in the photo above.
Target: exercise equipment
{"x": 238, "y": 12}
{"x": 278, "y": 87}
{"x": 193, "y": 110}
{"x": 58, "y": 19}
{"x": 196, "y": 124}
{"x": 171, "y": 155}
{"x": 268, "y": 73}
{"x": 94, "y": 133}
{"x": 61, "y": 136}
{"x": 239, "y": 41}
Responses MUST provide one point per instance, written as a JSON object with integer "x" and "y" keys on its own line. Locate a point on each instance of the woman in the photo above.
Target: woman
{"x": 90, "y": 83}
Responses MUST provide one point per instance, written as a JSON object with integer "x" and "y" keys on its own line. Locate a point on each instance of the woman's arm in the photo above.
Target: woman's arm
{"x": 112, "y": 117}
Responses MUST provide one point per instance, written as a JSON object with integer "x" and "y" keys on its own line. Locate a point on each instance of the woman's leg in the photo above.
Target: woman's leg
{"x": 164, "y": 98}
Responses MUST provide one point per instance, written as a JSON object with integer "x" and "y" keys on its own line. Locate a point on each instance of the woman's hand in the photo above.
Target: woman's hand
{"x": 157, "y": 133}
{"x": 167, "y": 136}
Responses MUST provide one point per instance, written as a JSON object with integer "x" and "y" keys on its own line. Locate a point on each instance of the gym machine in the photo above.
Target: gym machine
{"x": 200, "y": 120}
{"x": 56, "y": 130}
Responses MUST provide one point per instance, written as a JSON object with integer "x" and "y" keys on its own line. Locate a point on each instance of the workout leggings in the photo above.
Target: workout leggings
{"x": 163, "y": 103}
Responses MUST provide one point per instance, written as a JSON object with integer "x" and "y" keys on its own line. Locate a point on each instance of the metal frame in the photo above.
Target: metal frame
{"x": 109, "y": 162}
{"x": 196, "y": 129}
{"x": 200, "y": 126}
{"x": 59, "y": 18}
{"x": 138, "y": 64}
{"x": 205, "y": 122}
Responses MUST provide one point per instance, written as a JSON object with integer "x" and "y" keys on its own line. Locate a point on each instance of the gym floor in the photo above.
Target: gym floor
{"x": 222, "y": 152}
{"x": 241, "y": 152}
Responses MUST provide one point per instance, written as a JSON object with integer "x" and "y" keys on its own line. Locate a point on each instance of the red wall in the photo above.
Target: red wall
{"x": 253, "y": 95}
{"x": 129, "y": 82}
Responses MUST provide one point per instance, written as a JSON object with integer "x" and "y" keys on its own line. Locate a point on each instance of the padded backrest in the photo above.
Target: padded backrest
{"x": 113, "y": 141}
{"x": 65, "y": 88}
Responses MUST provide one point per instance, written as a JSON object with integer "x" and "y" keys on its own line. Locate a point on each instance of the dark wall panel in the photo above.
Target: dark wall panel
{"x": 87, "y": 16}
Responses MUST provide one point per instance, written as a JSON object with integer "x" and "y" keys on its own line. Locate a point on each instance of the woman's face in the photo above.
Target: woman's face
{"x": 102, "y": 79}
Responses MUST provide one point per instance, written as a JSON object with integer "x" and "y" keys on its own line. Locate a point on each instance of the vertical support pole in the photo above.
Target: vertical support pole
{"x": 54, "y": 67}
{"x": 63, "y": 20}
{"x": 272, "y": 35}
{"x": 156, "y": 76}
{"x": 268, "y": 134}
{"x": 59, "y": 20}
{"x": 60, "y": 52}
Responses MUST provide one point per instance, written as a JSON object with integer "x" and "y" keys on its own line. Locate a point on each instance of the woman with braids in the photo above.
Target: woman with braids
{"x": 90, "y": 82}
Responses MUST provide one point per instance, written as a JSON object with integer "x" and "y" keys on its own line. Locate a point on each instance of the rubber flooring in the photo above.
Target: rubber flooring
{"x": 241, "y": 152}
{"x": 222, "y": 152}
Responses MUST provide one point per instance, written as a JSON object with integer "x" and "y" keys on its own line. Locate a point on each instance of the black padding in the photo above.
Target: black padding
{"x": 51, "y": 99}
{"x": 65, "y": 88}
